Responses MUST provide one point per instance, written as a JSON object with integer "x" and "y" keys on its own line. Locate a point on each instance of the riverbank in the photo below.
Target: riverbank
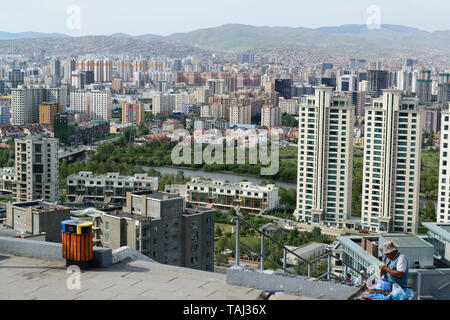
{"x": 233, "y": 178}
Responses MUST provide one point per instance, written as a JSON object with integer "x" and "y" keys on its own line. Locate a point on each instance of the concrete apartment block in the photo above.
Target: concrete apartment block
{"x": 162, "y": 227}
{"x": 36, "y": 217}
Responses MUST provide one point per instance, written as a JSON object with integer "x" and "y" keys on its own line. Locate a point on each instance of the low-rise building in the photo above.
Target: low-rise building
{"x": 109, "y": 188}
{"x": 439, "y": 237}
{"x": 172, "y": 125}
{"x": 225, "y": 196}
{"x": 7, "y": 177}
{"x": 162, "y": 227}
{"x": 308, "y": 251}
{"x": 364, "y": 253}
{"x": 211, "y": 123}
{"x": 37, "y": 217}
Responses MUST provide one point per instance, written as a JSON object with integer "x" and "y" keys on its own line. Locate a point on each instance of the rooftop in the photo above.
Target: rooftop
{"x": 32, "y": 278}
{"x": 405, "y": 241}
{"x": 40, "y": 206}
{"x": 442, "y": 229}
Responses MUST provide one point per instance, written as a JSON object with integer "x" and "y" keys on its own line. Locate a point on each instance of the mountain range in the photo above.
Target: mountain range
{"x": 239, "y": 37}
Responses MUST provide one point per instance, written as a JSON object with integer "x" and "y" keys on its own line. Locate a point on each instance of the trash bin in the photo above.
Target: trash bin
{"x": 77, "y": 245}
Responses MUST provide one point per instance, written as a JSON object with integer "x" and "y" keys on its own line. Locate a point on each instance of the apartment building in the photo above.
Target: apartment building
{"x": 95, "y": 104}
{"x": 270, "y": 116}
{"x": 162, "y": 227}
{"x": 25, "y": 102}
{"x": 325, "y": 158}
{"x": 4, "y": 114}
{"x": 289, "y": 106}
{"x": 48, "y": 111}
{"x": 210, "y": 123}
{"x": 221, "y": 195}
{"x": 109, "y": 188}
{"x": 133, "y": 113}
{"x": 25, "y": 105}
{"x": 37, "y": 217}
{"x": 101, "y": 105}
{"x": 216, "y": 110}
{"x": 162, "y": 103}
{"x": 80, "y": 102}
{"x": 240, "y": 114}
{"x": 392, "y": 157}
{"x": 37, "y": 169}
{"x": 443, "y": 206}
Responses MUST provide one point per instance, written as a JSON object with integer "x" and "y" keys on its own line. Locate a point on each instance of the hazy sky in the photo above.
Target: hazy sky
{"x": 165, "y": 17}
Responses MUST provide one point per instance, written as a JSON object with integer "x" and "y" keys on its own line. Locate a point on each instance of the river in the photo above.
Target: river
{"x": 217, "y": 175}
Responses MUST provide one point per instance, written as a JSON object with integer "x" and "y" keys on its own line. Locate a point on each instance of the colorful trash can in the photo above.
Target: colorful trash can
{"x": 77, "y": 245}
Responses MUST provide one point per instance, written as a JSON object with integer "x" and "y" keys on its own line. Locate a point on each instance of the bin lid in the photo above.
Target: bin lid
{"x": 77, "y": 226}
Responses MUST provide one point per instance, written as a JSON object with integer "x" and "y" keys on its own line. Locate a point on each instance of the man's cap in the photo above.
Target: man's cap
{"x": 388, "y": 247}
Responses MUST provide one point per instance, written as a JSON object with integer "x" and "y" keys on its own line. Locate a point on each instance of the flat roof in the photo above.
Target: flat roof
{"x": 349, "y": 242}
{"x": 442, "y": 229}
{"x": 406, "y": 241}
{"x": 26, "y": 278}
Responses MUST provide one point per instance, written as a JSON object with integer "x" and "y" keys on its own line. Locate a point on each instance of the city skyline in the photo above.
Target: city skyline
{"x": 173, "y": 16}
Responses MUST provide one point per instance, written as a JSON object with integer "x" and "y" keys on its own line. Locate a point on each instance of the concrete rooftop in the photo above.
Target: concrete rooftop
{"x": 30, "y": 278}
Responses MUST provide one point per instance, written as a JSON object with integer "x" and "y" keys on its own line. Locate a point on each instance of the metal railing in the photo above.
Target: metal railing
{"x": 329, "y": 256}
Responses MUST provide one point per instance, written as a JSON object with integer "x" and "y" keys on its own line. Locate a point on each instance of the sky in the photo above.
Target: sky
{"x": 165, "y": 17}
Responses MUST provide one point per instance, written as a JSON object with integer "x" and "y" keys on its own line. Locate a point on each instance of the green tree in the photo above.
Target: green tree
{"x": 218, "y": 232}
{"x": 429, "y": 212}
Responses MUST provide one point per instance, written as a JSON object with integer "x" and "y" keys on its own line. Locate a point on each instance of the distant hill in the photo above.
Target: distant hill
{"x": 144, "y": 36}
{"x": 240, "y": 37}
{"x": 362, "y": 28}
{"x": 30, "y": 35}
{"x": 39, "y": 35}
{"x": 148, "y": 36}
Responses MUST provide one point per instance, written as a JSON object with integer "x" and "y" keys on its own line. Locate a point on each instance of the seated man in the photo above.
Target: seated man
{"x": 395, "y": 269}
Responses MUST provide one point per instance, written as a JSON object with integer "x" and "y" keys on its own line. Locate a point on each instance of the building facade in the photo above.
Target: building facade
{"x": 37, "y": 217}
{"x": 443, "y": 206}
{"x": 109, "y": 188}
{"x": 325, "y": 157}
{"x": 270, "y": 116}
{"x": 225, "y": 196}
{"x": 37, "y": 169}
{"x": 162, "y": 227}
{"x": 133, "y": 113}
{"x": 392, "y": 157}
{"x": 48, "y": 111}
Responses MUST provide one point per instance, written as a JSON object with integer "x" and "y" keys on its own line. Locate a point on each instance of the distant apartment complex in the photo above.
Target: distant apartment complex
{"x": 392, "y": 156}
{"x": 109, "y": 188}
{"x": 25, "y": 102}
{"x": 133, "y": 113}
{"x": 162, "y": 227}
{"x": 95, "y": 104}
{"x": 289, "y": 106}
{"x": 325, "y": 157}
{"x": 48, "y": 111}
{"x": 225, "y": 196}
{"x": 270, "y": 116}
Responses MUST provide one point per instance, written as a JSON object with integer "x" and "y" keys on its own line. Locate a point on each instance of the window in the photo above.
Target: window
{"x": 107, "y": 226}
{"x": 107, "y": 238}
